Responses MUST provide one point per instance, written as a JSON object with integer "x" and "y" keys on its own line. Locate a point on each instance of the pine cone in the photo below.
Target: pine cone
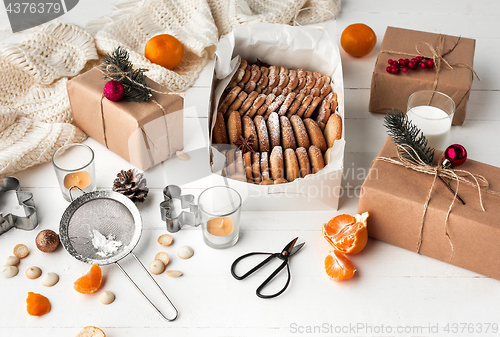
{"x": 132, "y": 184}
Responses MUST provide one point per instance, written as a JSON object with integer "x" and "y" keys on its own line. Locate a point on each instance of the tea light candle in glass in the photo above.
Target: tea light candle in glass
{"x": 74, "y": 166}
{"x": 432, "y": 112}
{"x": 220, "y": 208}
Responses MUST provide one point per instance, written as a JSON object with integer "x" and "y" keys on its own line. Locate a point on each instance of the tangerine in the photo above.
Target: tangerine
{"x": 358, "y": 39}
{"x": 346, "y": 233}
{"x": 164, "y": 50}
{"x": 37, "y": 305}
{"x": 338, "y": 266}
{"x": 90, "y": 282}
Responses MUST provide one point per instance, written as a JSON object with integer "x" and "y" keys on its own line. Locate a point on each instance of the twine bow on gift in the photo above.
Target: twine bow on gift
{"x": 407, "y": 157}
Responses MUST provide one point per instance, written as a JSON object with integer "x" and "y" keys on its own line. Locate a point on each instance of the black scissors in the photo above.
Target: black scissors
{"x": 284, "y": 255}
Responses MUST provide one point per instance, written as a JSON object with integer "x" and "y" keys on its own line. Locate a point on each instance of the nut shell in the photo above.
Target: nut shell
{"x": 163, "y": 257}
{"x": 47, "y": 241}
{"x": 173, "y": 273}
{"x": 165, "y": 239}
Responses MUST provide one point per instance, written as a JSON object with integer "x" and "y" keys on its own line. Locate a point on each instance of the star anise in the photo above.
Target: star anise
{"x": 245, "y": 144}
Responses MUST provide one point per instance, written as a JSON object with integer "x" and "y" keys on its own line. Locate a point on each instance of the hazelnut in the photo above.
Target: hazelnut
{"x": 47, "y": 241}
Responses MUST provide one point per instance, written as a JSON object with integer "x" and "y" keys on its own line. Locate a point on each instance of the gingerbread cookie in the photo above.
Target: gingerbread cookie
{"x": 291, "y": 165}
{"x": 300, "y": 132}
{"x": 316, "y": 136}
{"x": 256, "y": 167}
{"x": 287, "y": 135}
{"x": 264, "y": 166}
{"x": 274, "y": 130}
{"x": 262, "y": 135}
{"x": 316, "y": 158}
{"x": 234, "y": 127}
{"x": 276, "y": 163}
{"x": 219, "y": 135}
{"x": 250, "y": 132}
{"x": 303, "y": 159}
{"x": 333, "y": 129}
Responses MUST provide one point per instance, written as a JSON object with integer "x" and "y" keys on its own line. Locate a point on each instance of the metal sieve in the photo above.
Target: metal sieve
{"x": 112, "y": 215}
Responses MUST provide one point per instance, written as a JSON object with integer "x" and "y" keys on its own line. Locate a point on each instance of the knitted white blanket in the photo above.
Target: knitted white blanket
{"x": 35, "y": 114}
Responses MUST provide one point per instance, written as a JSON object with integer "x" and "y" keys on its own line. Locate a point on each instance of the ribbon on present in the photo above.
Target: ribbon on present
{"x": 114, "y": 72}
{"x": 436, "y": 54}
{"x": 408, "y": 158}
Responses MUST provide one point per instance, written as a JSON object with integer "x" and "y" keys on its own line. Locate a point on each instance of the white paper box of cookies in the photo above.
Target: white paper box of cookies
{"x": 277, "y": 120}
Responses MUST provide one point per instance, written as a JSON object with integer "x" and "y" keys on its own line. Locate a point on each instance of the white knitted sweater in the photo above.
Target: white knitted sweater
{"x": 35, "y": 114}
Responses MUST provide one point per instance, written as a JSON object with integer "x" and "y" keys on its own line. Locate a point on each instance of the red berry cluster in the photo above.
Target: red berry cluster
{"x": 407, "y": 64}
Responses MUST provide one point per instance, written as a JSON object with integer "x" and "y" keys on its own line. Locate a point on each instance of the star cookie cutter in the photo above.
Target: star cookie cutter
{"x": 25, "y": 199}
{"x": 185, "y": 218}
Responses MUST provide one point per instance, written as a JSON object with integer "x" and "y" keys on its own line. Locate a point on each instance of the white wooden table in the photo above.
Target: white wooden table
{"x": 394, "y": 292}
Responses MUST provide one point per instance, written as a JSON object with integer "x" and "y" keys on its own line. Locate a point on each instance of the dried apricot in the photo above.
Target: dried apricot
{"x": 90, "y": 282}
{"x": 338, "y": 266}
{"x": 346, "y": 233}
{"x": 37, "y": 305}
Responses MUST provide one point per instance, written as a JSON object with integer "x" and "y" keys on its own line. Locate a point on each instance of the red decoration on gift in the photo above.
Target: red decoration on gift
{"x": 406, "y": 64}
{"x": 456, "y": 154}
{"x": 113, "y": 90}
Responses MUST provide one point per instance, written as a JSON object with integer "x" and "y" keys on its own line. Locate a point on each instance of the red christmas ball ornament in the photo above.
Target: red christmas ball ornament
{"x": 113, "y": 90}
{"x": 456, "y": 154}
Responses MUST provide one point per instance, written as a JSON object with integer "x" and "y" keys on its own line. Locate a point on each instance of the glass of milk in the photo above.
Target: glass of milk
{"x": 432, "y": 112}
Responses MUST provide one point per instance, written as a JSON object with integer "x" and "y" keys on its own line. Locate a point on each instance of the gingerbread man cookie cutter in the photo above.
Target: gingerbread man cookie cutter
{"x": 174, "y": 218}
{"x": 25, "y": 199}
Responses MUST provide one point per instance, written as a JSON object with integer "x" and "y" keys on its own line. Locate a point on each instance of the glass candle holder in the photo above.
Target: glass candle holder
{"x": 74, "y": 167}
{"x": 220, "y": 208}
{"x": 432, "y": 111}
{"x": 309, "y": 16}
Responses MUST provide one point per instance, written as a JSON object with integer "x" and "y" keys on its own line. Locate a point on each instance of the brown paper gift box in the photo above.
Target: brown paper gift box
{"x": 138, "y": 132}
{"x": 391, "y": 91}
{"x": 395, "y": 196}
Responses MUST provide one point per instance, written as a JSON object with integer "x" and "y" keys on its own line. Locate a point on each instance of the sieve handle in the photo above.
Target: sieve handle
{"x": 71, "y": 189}
{"x": 143, "y": 294}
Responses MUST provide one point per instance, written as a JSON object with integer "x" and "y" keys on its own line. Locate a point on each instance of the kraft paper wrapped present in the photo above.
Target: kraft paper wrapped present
{"x": 140, "y": 132}
{"x": 395, "y": 196}
{"x": 391, "y": 91}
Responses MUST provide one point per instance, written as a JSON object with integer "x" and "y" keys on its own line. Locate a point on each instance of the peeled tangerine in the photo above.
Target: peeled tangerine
{"x": 37, "y": 305}
{"x": 90, "y": 282}
{"x": 348, "y": 235}
{"x": 338, "y": 266}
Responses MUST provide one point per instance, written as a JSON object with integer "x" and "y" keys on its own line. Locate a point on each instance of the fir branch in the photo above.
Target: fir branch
{"x": 117, "y": 66}
{"x": 404, "y": 132}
